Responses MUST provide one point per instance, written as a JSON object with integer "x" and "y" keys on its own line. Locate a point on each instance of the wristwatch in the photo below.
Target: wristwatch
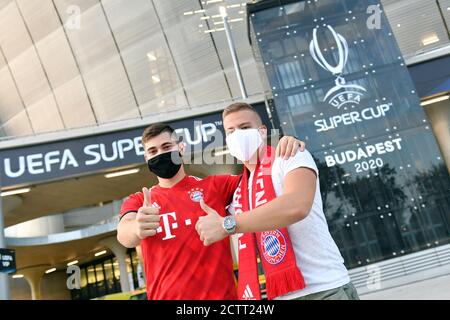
{"x": 229, "y": 224}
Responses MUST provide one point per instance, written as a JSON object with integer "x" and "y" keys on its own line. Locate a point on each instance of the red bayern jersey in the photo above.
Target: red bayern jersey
{"x": 177, "y": 264}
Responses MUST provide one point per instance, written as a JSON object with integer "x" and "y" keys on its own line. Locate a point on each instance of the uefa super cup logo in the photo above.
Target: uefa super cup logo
{"x": 342, "y": 93}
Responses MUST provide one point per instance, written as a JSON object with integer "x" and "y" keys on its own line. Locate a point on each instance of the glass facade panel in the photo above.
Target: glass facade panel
{"x": 418, "y": 25}
{"x": 100, "y": 61}
{"x": 101, "y": 283}
{"x": 345, "y": 88}
{"x": 146, "y": 55}
{"x": 194, "y": 53}
{"x": 134, "y": 267}
{"x": 102, "y": 277}
{"x": 109, "y": 275}
{"x": 444, "y": 8}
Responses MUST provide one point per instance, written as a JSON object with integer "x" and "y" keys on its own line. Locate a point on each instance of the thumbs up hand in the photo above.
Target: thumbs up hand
{"x": 147, "y": 217}
{"x": 210, "y": 227}
{"x": 147, "y": 197}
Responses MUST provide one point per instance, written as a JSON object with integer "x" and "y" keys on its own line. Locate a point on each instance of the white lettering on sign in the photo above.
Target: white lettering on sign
{"x": 93, "y": 154}
{"x": 6, "y": 258}
{"x": 345, "y": 97}
{"x": 353, "y": 117}
{"x": 40, "y": 163}
{"x": 89, "y": 150}
{"x": 363, "y": 152}
{"x": 117, "y": 151}
{"x": 138, "y": 147}
{"x": 201, "y": 133}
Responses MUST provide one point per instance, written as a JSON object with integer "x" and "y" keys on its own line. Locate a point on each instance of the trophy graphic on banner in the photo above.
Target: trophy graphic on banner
{"x": 342, "y": 93}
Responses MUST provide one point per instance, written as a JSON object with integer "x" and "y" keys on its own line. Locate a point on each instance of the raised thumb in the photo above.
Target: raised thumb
{"x": 205, "y": 207}
{"x": 147, "y": 197}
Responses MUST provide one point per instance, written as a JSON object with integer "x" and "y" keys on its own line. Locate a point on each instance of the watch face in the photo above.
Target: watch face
{"x": 229, "y": 223}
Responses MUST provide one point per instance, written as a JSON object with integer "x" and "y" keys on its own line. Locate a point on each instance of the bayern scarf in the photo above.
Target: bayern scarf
{"x": 275, "y": 247}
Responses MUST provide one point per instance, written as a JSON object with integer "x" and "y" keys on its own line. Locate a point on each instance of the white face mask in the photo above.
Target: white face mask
{"x": 244, "y": 143}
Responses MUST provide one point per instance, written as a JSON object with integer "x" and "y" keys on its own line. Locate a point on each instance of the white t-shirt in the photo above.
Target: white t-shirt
{"x": 316, "y": 253}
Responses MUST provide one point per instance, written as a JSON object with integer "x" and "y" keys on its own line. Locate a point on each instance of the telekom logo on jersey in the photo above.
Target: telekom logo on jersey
{"x": 195, "y": 194}
{"x": 169, "y": 223}
{"x": 166, "y": 224}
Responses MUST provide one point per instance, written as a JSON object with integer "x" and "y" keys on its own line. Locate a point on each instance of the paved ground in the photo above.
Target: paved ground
{"x": 437, "y": 288}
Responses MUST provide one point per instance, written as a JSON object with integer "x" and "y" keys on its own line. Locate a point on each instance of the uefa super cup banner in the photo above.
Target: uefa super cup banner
{"x": 339, "y": 81}
{"x": 57, "y": 160}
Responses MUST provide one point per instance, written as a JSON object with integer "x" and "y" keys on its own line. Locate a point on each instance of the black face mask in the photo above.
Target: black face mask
{"x": 165, "y": 165}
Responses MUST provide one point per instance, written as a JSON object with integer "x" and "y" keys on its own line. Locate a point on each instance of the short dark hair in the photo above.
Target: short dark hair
{"x": 238, "y": 106}
{"x": 156, "y": 129}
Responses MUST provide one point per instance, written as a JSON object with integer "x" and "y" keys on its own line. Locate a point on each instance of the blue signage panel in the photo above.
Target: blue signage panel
{"x": 7, "y": 261}
{"x": 62, "y": 159}
{"x": 339, "y": 81}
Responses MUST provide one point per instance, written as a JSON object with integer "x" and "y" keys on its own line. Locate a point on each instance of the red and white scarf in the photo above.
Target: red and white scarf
{"x": 275, "y": 247}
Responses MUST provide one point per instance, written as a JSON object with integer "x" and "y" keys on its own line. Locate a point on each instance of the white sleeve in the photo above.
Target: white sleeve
{"x": 300, "y": 160}
{"x": 231, "y": 207}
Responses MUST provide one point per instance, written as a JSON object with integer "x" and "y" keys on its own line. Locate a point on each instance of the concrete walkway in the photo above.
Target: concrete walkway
{"x": 437, "y": 288}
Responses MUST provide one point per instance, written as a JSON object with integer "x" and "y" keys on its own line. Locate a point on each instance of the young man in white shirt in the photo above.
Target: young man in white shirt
{"x": 278, "y": 215}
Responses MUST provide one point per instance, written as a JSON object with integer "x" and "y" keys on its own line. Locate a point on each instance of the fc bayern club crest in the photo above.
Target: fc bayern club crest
{"x": 274, "y": 246}
{"x": 196, "y": 194}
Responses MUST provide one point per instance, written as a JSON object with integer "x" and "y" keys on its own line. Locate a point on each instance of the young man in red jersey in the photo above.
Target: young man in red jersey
{"x": 162, "y": 219}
